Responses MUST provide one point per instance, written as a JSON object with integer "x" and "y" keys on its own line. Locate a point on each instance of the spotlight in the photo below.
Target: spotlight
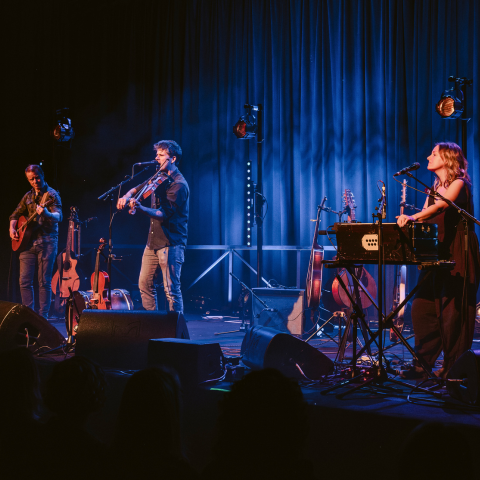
{"x": 246, "y": 127}
{"x": 449, "y": 106}
{"x": 62, "y": 130}
{"x": 452, "y": 102}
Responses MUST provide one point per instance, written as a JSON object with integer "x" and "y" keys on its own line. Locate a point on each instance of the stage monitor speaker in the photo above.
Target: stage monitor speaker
{"x": 264, "y": 347}
{"x": 195, "y": 362}
{"x": 119, "y": 338}
{"x": 285, "y": 309}
{"x": 466, "y": 369}
{"x": 20, "y": 326}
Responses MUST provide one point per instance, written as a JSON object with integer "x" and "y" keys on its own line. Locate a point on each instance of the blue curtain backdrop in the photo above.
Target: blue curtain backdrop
{"x": 348, "y": 89}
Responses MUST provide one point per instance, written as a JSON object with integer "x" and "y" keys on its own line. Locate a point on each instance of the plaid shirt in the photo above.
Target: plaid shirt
{"x": 44, "y": 229}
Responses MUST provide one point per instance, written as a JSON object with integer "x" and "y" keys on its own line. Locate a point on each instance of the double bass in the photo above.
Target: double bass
{"x": 314, "y": 274}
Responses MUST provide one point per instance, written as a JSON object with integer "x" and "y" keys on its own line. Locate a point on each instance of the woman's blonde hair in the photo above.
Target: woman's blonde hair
{"x": 455, "y": 163}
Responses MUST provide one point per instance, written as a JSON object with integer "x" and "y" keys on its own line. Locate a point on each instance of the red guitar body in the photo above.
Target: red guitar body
{"x": 66, "y": 277}
{"x": 24, "y": 229}
{"x": 100, "y": 282}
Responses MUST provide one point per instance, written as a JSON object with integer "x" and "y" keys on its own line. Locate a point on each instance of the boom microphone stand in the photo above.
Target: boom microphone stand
{"x": 466, "y": 217}
{"x": 265, "y": 307}
{"x": 110, "y": 195}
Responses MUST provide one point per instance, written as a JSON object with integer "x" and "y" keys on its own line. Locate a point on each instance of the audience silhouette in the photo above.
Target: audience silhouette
{"x": 439, "y": 451}
{"x": 148, "y": 438}
{"x": 262, "y": 430}
{"x": 19, "y": 409}
{"x": 76, "y": 389}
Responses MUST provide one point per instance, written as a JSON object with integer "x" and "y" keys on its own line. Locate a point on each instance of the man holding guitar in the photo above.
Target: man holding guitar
{"x": 39, "y": 211}
{"x": 167, "y": 237}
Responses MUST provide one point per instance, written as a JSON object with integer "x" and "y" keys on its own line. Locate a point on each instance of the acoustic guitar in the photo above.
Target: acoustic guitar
{"x": 99, "y": 281}
{"x": 66, "y": 276}
{"x": 25, "y": 229}
{"x": 314, "y": 275}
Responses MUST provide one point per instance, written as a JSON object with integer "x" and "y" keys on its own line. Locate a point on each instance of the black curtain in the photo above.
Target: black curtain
{"x": 348, "y": 89}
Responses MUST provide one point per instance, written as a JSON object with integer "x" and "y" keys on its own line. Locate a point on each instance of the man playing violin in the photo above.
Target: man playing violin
{"x": 167, "y": 237}
{"x": 42, "y": 247}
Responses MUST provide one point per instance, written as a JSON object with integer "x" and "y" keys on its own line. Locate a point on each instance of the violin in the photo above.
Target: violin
{"x": 152, "y": 184}
{"x": 100, "y": 281}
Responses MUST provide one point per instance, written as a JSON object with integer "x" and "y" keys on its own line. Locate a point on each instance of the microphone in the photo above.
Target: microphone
{"x": 150, "y": 163}
{"x": 415, "y": 166}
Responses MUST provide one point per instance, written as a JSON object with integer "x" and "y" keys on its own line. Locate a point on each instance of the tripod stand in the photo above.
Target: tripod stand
{"x": 243, "y": 326}
{"x": 380, "y": 376}
{"x": 69, "y": 344}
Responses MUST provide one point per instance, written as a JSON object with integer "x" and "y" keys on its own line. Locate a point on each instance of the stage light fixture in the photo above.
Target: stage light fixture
{"x": 450, "y": 106}
{"x": 453, "y": 101}
{"x": 62, "y": 130}
{"x": 246, "y": 127}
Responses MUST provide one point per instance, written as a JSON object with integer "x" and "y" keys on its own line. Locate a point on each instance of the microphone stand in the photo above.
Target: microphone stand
{"x": 266, "y": 307}
{"x": 433, "y": 193}
{"x": 329, "y": 210}
{"x": 109, "y": 194}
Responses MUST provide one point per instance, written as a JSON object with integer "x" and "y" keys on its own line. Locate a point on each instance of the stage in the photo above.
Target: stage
{"x": 355, "y": 427}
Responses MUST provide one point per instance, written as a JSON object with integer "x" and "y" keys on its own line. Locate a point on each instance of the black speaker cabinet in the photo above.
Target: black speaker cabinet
{"x": 195, "y": 362}
{"x": 285, "y": 309}
{"x": 264, "y": 347}
{"x": 467, "y": 371}
{"x": 20, "y": 326}
{"x": 119, "y": 338}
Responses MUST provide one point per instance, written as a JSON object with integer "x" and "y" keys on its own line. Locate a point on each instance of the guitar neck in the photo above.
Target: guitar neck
{"x": 71, "y": 230}
{"x": 34, "y": 214}
{"x": 97, "y": 269}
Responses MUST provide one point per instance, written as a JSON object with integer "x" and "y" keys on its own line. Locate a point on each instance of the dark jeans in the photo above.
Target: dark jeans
{"x": 44, "y": 254}
{"x": 170, "y": 261}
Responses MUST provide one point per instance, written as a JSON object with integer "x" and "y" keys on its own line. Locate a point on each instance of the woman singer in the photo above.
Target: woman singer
{"x": 437, "y": 317}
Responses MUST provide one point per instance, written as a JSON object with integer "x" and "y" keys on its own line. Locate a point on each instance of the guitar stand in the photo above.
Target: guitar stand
{"x": 356, "y": 318}
{"x": 69, "y": 344}
{"x": 339, "y": 315}
{"x": 243, "y": 326}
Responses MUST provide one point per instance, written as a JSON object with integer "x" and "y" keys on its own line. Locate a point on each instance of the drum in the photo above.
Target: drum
{"x": 121, "y": 300}
{"x": 74, "y": 309}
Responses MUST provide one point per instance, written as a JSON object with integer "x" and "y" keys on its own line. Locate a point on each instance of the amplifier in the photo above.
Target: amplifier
{"x": 411, "y": 244}
{"x": 285, "y": 309}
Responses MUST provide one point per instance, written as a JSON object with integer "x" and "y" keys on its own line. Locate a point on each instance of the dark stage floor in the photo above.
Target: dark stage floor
{"x": 360, "y": 424}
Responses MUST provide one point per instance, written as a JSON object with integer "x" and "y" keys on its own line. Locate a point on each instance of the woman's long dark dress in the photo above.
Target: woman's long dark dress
{"x": 437, "y": 307}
